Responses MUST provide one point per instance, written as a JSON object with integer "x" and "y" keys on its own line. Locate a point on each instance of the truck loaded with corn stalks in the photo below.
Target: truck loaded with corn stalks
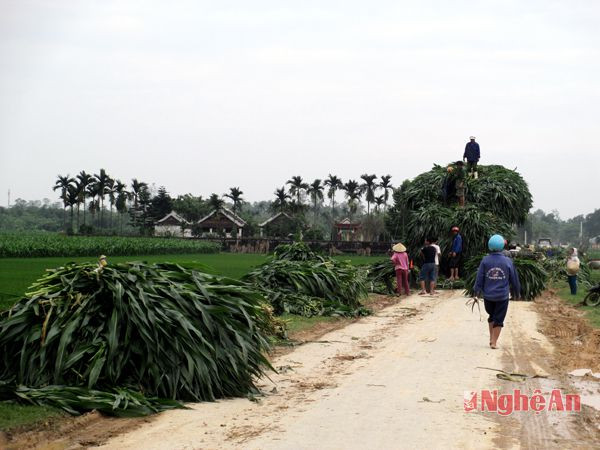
{"x": 495, "y": 203}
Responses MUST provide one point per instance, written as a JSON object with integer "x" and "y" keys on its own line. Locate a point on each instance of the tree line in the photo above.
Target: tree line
{"x": 88, "y": 200}
{"x": 99, "y": 203}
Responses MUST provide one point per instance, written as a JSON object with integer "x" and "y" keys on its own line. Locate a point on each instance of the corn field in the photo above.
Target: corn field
{"x": 18, "y": 245}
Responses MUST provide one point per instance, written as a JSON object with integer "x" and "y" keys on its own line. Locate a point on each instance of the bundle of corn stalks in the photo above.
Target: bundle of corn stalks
{"x": 382, "y": 276}
{"x": 132, "y": 332}
{"x": 297, "y": 251}
{"x": 495, "y": 201}
{"x": 557, "y": 270}
{"x": 532, "y": 276}
{"x": 298, "y": 281}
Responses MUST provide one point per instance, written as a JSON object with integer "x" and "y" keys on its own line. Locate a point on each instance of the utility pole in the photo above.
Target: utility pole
{"x": 9, "y": 198}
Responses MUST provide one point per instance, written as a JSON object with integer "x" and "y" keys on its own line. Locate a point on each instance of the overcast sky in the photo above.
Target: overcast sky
{"x": 201, "y": 96}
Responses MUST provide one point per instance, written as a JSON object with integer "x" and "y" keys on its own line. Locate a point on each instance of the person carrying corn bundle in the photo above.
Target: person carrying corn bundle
{"x": 573, "y": 265}
{"x": 496, "y": 279}
{"x": 401, "y": 266}
{"x": 471, "y": 156}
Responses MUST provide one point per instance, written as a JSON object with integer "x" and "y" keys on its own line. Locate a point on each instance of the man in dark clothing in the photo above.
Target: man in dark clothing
{"x": 471, "y": 156}
{"x": 496, "y": 279}
{"x": 428, "y": 270}
{"x": 459, "y": 173}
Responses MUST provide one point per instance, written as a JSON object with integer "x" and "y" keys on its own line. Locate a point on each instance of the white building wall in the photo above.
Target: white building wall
{"x": 171, "y": 230}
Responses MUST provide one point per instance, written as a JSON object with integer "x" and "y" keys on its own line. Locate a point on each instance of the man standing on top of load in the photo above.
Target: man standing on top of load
{"x": 471, "y": 156}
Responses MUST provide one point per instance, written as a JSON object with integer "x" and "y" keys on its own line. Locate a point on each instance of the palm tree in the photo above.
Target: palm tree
{"x": 121, "y": 202}
{"x": 235, "y": 195}
{"x": 112, "y": 198}
{"x": 379, "y": 200}
{"x": 368, "y": 187}
{"x": 297, "y": 185}
{"x": 72, "y": 198}
{"x": 136, "y": 189}
{"x": 315, "y": 190}
{"x": 215, "y": 202}
{"x": 387, "y": 188}
{"x": 281, "y": 200}
{"x": 80, "y": 196}
{"x": 84, "y": 180}
{"x": 334, "y": 183}
{"x": 353, "y": 193}
{"x": 102, "y": 180}
{"x": 63, "y": 183}
{"x": 92, "y": 192}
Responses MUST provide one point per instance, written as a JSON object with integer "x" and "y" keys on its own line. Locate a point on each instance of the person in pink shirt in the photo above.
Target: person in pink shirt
{"x": 400, "y": 260}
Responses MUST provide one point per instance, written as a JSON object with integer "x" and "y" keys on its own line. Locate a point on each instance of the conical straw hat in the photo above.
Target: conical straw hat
{"x": 399, "y": 248}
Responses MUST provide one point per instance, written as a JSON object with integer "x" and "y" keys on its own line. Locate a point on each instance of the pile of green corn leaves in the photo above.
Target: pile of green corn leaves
{"x": 532, "y": 276}
{"x": 298, "y": 281}
{"x": 382, "y": 276}
{"x": 495, "y": 201}
{"x": 131, "y": 339}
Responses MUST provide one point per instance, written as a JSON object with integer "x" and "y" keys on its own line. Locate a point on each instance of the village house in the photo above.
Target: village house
{"x": 348, "y": 231}
{"x": 279, "y": 225}
{"x": 173, "y": 225}
{"x": 222, "y": 222}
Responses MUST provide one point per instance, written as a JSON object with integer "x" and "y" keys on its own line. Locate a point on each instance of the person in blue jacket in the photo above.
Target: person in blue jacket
{"x": 496, "y": 279}
{"x": 471, "y": 156}
{"x": 455, "y": 253}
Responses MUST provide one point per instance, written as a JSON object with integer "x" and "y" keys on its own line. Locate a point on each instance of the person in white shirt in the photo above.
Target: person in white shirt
{"x": 437, "y": 255}
{"x": 572, "y": 269}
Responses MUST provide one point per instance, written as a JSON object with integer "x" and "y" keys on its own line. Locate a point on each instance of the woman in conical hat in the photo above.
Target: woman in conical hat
{"x": 400, "y": 260}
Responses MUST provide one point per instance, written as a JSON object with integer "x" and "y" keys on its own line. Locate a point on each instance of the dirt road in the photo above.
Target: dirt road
{"x": 392, "y": 380}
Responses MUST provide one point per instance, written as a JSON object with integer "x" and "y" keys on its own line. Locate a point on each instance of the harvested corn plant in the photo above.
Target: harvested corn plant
{"x": 532, "y": 276}
{"x": 382, "y": 276}
{"x": 311, "y": 287}
{"x": 133, "y": 331}
{"x": 297, "y": 251}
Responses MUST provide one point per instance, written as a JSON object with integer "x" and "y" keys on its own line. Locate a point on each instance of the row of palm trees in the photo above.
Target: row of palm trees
{"x": 88, "y": 192}
{"x": 376, "y": 192}
{"x": 91, "y": 191}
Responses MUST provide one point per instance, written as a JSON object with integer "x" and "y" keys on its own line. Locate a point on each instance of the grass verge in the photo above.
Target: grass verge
{"x": 592, "y": 312}
{"x": 13, "y": 415}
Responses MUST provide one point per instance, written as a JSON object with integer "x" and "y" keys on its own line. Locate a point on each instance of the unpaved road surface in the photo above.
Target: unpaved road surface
{"x": 393, "y": 380}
